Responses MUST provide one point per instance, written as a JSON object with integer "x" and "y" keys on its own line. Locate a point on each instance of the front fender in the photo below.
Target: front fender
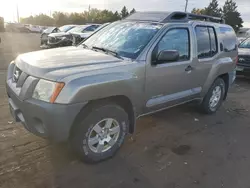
{"x": 93, "y": 87}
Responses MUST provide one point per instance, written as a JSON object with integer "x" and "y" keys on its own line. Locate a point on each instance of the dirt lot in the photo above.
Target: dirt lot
{"x": 214, "y": 150}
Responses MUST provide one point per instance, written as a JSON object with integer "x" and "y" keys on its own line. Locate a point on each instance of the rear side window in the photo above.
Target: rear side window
{"x": 203, "y": 42}
{"x": 229, "y": 41}
{"x": 213, "y": 41}
{"x": 206, "y": 42}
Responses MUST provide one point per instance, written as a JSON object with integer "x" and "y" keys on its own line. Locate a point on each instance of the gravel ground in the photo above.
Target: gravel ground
{"x": 176, "y": 148}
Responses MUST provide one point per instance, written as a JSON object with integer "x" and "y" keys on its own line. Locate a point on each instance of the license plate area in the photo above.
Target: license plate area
{"x": 13, "y": 111}
{"x": 239, "y": 69}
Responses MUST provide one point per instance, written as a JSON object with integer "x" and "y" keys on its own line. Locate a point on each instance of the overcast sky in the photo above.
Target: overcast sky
{"x": 27, "y": 7}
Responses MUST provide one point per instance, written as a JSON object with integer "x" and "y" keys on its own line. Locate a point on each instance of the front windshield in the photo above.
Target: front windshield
{"x": 66, "y": 28}
{"x": 49, "y": 30}
{"x": 78, "y": 29}
{"x": 245, "y": 44}
{"x": 127, "y": 39}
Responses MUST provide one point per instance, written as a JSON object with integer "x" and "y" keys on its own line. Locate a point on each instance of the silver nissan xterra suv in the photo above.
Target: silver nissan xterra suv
{"x": 92, "y": 94}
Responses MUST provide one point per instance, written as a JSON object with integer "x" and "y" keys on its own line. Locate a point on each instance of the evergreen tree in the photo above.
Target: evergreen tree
{"x": 116, "y": 16}
{"x": 231, "y": 15}
{"x": 213, "y": 9}
{"x": 124, "y": 12}
{"x": 132, "y": 11}
{"x": 198, "y": 11}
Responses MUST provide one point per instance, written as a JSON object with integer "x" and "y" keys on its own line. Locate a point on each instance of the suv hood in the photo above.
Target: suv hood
{"x": 55, "y": 64}
{"x": 244, "y": 51}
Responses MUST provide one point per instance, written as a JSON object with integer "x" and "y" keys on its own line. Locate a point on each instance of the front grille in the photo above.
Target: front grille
{"x": 19, "y": 77}
{"x": 244, "y": 60}
{"x": 53, "y": 39}
{"x": 76, "y": 39}
{"x": 16, "y": 74}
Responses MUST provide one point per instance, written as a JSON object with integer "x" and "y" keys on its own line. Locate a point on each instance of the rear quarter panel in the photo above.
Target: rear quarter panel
{"x": 225, "y": 62}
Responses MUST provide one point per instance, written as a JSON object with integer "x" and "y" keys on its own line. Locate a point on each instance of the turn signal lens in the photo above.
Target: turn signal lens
{"x": 57, "y": 90}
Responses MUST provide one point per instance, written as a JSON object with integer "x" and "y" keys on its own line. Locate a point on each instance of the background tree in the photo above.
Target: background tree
{"x": 213, "y": 9}
{"x": 116, "y": 16}
{"x": 76, "y": 18}
{"x": 231, "y": 15}
{"x": 132, "y": 11}
{"x": 198, "y": 11}
{"x": 92, "y": 16}
{"x": 60, "y": 18}
{"x": 41, "y": 19}
{"x": 124, "y": 12}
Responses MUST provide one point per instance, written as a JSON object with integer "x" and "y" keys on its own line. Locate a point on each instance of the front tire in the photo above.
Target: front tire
{"x": 214, "y": 97}
{"x": 100, "y": 134}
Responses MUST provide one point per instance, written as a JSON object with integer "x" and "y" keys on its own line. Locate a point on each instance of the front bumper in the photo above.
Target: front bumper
{"x": 52, "y": 121}
{"x": 61, "y": 43}
{"x": 232, "y": 77}
{"x": 243, "y": 70}
{"x": 44, "y": 39}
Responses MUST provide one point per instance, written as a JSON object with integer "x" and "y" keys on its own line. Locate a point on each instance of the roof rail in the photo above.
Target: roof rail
{"x": 205, "y": 18}
{"x": 165, "y": 17}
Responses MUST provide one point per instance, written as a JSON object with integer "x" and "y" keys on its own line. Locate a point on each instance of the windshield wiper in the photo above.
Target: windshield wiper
{"x": 114, "y": 53}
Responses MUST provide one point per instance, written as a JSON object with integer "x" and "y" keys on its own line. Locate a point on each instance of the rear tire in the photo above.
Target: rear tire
{"x": 100, "y": 133}
{"x": 214, "y": 97}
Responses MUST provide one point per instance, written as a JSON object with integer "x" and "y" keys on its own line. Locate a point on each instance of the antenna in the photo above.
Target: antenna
{"x": 17, "y": 13}
{"x": 186, "y": 6}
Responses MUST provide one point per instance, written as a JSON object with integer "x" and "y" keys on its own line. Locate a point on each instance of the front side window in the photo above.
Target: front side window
{"x": 127, "y": 39}
{"x": 176, "y": 39}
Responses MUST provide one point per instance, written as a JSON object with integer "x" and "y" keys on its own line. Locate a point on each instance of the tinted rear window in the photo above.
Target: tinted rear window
{"x": 229, "y": 39}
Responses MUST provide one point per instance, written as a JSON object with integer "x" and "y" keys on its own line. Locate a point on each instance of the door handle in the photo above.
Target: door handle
{"x": 189, "y": 68}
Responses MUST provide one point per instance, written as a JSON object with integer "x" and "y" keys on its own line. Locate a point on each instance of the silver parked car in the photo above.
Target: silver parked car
{"x": 92, "y": 94}
{"x": 66, "y": 39}
{"x": 243, "y": 66}
{"x": 78, "y": 37}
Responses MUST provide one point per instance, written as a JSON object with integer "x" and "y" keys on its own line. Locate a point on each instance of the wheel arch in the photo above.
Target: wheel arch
{"x": 121, "y": 100}
{"x": 225, "y": 78}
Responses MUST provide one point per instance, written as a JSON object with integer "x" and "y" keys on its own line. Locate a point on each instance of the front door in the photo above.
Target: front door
{"x": 172, "y": 82}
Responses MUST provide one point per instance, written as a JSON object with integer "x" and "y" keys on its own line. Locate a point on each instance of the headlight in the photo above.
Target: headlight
{"x": 47, "y": 90}
{"x": 61, "y": 37}
{"x": 65, "y": 37}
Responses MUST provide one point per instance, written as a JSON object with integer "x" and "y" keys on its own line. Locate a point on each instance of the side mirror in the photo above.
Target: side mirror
{"x": 168, "y": 55}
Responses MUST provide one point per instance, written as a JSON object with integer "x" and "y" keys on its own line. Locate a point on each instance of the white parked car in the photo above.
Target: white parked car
{"x": 33, "y": 28}
{"x": 243, "y": 34}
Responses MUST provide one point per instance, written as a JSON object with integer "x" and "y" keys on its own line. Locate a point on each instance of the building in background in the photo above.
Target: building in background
{"x": 1, "y": 24}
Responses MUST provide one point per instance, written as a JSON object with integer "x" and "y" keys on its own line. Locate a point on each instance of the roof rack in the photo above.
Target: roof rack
{"x": 165, "y": 17}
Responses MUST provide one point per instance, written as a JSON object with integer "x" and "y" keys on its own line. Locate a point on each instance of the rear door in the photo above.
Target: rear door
{"x": 207, "y": 51}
